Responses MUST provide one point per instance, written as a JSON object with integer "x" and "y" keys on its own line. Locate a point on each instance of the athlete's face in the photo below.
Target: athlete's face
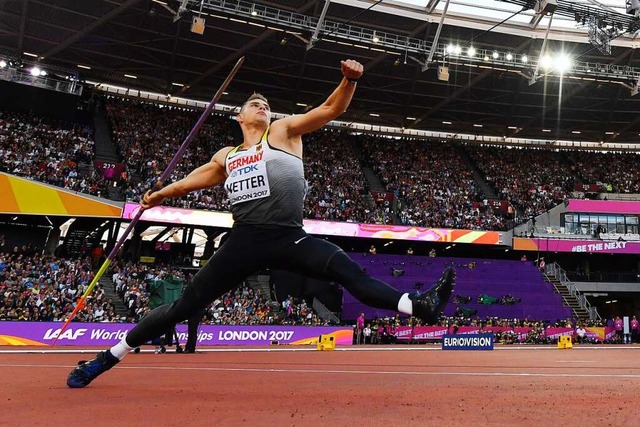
{"x": 255, "y": 110}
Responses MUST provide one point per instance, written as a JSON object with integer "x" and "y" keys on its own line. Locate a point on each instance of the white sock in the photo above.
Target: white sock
{"x": 405, "y": 305}
{"x": 121, "y": 349}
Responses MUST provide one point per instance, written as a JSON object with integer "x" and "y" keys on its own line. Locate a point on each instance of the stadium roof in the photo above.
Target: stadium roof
{"x": 111, "y": 38}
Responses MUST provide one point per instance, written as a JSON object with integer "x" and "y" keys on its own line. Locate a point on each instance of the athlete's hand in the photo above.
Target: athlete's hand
{"x": 151, "y": 199}
{"x": 351, "y": 69}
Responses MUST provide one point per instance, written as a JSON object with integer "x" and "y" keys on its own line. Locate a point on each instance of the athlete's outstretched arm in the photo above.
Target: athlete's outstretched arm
{"x": 330, "y": 109}
{"x": 207, "y": 175}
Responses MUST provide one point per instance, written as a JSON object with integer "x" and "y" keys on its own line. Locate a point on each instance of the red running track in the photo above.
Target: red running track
{"x": 516, "y": 386}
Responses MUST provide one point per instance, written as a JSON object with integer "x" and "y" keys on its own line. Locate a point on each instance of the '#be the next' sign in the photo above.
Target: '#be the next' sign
{"x": 467, "y": 342}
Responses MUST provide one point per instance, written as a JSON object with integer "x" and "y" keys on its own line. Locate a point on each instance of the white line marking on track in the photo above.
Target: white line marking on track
{"x": 308, "y": 348}
{"x": 345, "y": 371}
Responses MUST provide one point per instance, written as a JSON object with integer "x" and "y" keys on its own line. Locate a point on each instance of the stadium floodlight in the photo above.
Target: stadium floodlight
{"x": 546, "y": 62}
{"x": 495, "y": 55}
{"x": 563, "y": 63}
{"x": 3, "y": 63}
{"x": 471, "y": 51}
{"x": 35, "y": 71}
{"x": 524, "y": 59}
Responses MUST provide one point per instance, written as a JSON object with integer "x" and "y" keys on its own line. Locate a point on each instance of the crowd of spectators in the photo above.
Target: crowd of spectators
{"x": 533, "y": 179}
{"x": 434, "y": 185}
{"x": 36, "y": 287}
{"x": 336, "y": 180}
{"x": 134, "y": 284}
{"x": 148, "y": 136}
{"x": 49, "y": 151}
{"x": 619, "y": 171}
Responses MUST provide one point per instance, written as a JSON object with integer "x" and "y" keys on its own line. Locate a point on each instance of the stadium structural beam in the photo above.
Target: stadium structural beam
{"x": 534, "y": 77}
{"x": 23, "y": 25}
{"x": 323, "y": 14}
{"x": 237, "y": 54}
{"x": 431, "y": 6}
{"x": 570, "y": 8}
{"x": 89, "y": 28}
{"x": 434, "y": 45}
{"x": 566, "y": 97}
{"x": 602, "y": 6}
{"x": 614, "y": 102}
{"x": 461, "y": 90}
{"x": 163, "y": 233}
{"x": 176, "y": 39}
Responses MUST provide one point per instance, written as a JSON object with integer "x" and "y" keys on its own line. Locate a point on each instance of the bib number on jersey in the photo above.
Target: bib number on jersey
{"x": 249, "y": 182}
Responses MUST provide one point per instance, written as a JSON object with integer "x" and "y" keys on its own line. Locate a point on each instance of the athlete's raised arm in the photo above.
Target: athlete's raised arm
{"x": 207, "y": 175}
{"x": 330, "y": 109}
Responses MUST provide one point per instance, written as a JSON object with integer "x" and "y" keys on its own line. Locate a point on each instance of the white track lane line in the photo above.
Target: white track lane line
{"x": 47, "y": 350}
{"x": 345, "y": 371}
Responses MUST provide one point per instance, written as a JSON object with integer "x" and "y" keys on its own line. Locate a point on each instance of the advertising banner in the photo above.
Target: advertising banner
{"x": 555, "y": 333}
{"x": 434, "y": 333}
{"x": 25, "y": 196}
{"x": 601, "y": 334}
{"x": 108, "y": 334}
{"x": 603, "y": 206}
{"x": 581, "y": 246}
{"x": 171, "y": 215}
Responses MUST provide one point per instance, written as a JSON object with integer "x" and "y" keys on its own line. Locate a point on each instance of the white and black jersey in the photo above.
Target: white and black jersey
{"x": 265, "y": 185}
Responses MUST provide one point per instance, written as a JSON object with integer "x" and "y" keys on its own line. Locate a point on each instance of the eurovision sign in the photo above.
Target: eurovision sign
{"x": 436, "y": 333}
{"x": 467, "y": 342}
{"x": 108, "y": 334}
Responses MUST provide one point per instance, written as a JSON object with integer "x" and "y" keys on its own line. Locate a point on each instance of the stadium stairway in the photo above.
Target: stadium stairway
{"x": 564, "y": 159}
{"x": 568, "y": 300}
{"x": 106, "y": 150}
{"x": 110, "y": 293}
{"x": 484, "y": 186}
{"x": 373, "y": 180}
{"x": 260, "y": 282}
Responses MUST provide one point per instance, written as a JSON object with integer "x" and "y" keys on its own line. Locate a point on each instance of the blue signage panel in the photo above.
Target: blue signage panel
{"x": 467, "y": 342}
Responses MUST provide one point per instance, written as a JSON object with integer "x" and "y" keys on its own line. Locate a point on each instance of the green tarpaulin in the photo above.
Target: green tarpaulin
{"x": 165, "y": 291}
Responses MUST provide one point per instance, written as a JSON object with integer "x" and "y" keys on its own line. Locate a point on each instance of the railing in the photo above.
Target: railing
{"x": 45, "y": 82}
{"x": 378, "y": 40}
{"x": 324, "y": 313}
{"x": 561, "y": 233}
{"x": 554, "y": 270}
{"x": 604, "y": 276}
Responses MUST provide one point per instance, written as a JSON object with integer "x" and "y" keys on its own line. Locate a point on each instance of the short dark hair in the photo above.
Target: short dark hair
{"x": 254, "y": 96}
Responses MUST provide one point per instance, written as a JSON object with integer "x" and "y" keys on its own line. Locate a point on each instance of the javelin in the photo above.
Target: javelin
{"x": 156, "y": 187}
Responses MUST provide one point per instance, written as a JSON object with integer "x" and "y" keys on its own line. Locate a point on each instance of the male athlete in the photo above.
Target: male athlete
{"x": 265, "y": 183}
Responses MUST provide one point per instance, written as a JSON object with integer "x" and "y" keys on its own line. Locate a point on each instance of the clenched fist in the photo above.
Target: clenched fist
{"x": 151, "y": 199}
{"x": 351, "y": 69}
